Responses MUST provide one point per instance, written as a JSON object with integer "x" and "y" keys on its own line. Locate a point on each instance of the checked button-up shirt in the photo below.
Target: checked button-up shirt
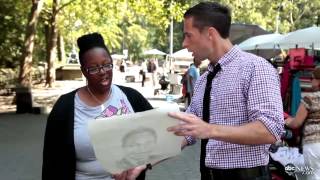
{"x": 246, "y": 89}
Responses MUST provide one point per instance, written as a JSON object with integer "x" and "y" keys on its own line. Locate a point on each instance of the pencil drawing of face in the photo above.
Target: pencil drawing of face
{"x": 139, "y": 144}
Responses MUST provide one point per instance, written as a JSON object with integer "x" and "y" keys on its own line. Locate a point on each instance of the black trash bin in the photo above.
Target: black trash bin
{"x": 23, "y": 100}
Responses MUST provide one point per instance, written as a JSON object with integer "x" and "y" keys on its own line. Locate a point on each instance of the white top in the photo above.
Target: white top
{"x": 87, "y": 166}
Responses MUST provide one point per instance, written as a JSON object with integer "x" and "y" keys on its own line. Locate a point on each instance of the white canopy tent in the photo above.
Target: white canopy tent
{"x": 182, "y": 54}
{"x": 308, "y": 38}
{"x": 153, "y": 52}
{"x": 266, "y": 41}
{"x": 180, "y": 60}
{"x": 118, "y": 56}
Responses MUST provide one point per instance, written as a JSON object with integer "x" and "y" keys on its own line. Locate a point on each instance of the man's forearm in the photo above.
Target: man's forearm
{"x": 252, "y": 133}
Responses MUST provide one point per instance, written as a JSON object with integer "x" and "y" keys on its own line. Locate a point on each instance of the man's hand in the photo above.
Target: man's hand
{"x": 191, "y": 125}
{"x": 251, "y": 133}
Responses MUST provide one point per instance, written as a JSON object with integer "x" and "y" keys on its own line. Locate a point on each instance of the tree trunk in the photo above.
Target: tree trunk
{"x": 47, "y": 37}
{"x": 51, "y": 74}
{"x": 25, "y": 78}
{"x": 61, "y": 50}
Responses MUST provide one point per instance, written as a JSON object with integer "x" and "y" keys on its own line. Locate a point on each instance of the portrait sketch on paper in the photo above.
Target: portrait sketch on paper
{"x": 139, "y": 147}
{"x": 126, "y": 141}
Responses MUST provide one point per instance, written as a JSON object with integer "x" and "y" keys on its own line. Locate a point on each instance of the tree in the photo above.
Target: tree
{"x": 52, "y": 43}
{"x": 139, "y": 24}
{"x": 137, "y": 37}
{"x": 300, "y": 13}
{"x": 13, "y": 18}
{"x": 115, "y": 19}
{"x": 52, "y": 39}
{"x": 25, "y": 77}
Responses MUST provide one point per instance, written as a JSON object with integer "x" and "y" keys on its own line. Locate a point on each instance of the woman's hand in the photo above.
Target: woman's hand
{"x": 130, "y": 174}
{"x": 298, "y": 120}
{"x": 120, "y": 176}
{"x": 133, "y": 173}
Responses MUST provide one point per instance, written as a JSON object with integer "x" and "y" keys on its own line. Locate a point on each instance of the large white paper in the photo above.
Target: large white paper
{"x": 288, "y": 155}
{"x": 126, "y": 141}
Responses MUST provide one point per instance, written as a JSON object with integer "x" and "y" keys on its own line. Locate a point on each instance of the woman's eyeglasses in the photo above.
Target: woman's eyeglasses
{"x": 97, "y": 69}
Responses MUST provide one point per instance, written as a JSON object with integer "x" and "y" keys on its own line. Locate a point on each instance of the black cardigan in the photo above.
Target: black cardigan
{"x": 59, "y": 159}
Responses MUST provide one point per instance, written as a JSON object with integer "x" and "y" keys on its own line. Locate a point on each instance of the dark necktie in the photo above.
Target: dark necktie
{"x": 206, "y": 112}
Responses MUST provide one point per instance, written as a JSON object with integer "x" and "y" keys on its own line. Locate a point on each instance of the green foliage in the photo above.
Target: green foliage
{"x": 125, "y": 24}
{"x": 300, "y": 13}
{"x": 13, "y": 18}
{"x": 137, "y": 37}
{"x": 138, "y": 25}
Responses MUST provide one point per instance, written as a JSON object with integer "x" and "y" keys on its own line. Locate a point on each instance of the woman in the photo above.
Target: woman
{"x": 68, "y": 153}
{"x": 308, "y": 116}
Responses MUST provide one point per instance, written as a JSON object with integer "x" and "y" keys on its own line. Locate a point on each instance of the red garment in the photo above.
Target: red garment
{"x": 285, "y": 79}
{"x": 184, "y": 90}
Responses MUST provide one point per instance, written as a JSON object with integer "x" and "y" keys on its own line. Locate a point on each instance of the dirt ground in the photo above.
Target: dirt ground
{"x": 41, "y": 95}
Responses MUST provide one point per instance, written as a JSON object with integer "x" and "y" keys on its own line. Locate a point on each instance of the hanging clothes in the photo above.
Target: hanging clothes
{"x": 286, "y": 78}
{"x": 296, "y": 93}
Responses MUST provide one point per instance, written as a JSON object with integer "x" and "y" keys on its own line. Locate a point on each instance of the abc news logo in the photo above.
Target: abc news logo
{"x": 292, "y": 169}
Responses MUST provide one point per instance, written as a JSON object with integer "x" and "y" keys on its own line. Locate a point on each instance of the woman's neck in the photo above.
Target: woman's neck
{"x": 97, "y": 96}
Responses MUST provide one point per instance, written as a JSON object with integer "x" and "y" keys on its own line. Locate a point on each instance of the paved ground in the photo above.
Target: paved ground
{"x": 21, "y": 141}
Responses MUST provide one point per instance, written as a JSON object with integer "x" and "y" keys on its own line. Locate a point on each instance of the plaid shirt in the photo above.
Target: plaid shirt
{"x": 246, "y": 89}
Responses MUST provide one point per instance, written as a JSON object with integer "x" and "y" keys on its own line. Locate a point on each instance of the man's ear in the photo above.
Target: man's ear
{"x": 212, "y": 33}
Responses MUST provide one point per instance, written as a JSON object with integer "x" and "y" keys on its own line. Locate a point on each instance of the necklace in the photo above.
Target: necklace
{"x": 95, "y": 98}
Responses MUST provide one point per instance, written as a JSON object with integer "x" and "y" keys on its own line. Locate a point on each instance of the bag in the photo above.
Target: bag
{"x": 299, "y": 59}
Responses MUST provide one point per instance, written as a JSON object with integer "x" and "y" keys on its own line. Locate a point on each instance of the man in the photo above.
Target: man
{"x": 143, "y": 72}
{"x": 239, "y": 97}
{"x": 152, "y": 68}
{"x": 193, "y": 75}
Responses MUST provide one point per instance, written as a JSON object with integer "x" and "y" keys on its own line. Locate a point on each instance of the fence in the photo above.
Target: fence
{"x": 8, "y": 78}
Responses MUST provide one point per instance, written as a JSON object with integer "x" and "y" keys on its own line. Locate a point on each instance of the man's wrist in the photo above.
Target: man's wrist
{"x": 212, "y": 131}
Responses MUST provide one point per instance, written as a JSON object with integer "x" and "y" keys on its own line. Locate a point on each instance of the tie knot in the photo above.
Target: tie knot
{"x": 217, "y": 67}
{"x": 211, "y": 75}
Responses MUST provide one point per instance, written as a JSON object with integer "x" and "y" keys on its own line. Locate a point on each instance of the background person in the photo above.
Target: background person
{"x": 193, "y": 75}
{"x": 243, "y": 114}
{"x": 183, "y": 82}
{"x": 152, "y": 68}
{"x": 308, "y": 117}
{"x": 123, "y": 66}
{"x": 68, "y": 153}
{"x": 142, "y": 72}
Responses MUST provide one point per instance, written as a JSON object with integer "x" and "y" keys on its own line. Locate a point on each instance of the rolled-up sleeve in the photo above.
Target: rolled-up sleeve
{"x": 191, "y": 140}
{"x": 264, "y": 99}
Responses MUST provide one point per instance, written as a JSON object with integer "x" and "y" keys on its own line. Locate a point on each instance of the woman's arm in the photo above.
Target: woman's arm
{"x": 297, "y": 121}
